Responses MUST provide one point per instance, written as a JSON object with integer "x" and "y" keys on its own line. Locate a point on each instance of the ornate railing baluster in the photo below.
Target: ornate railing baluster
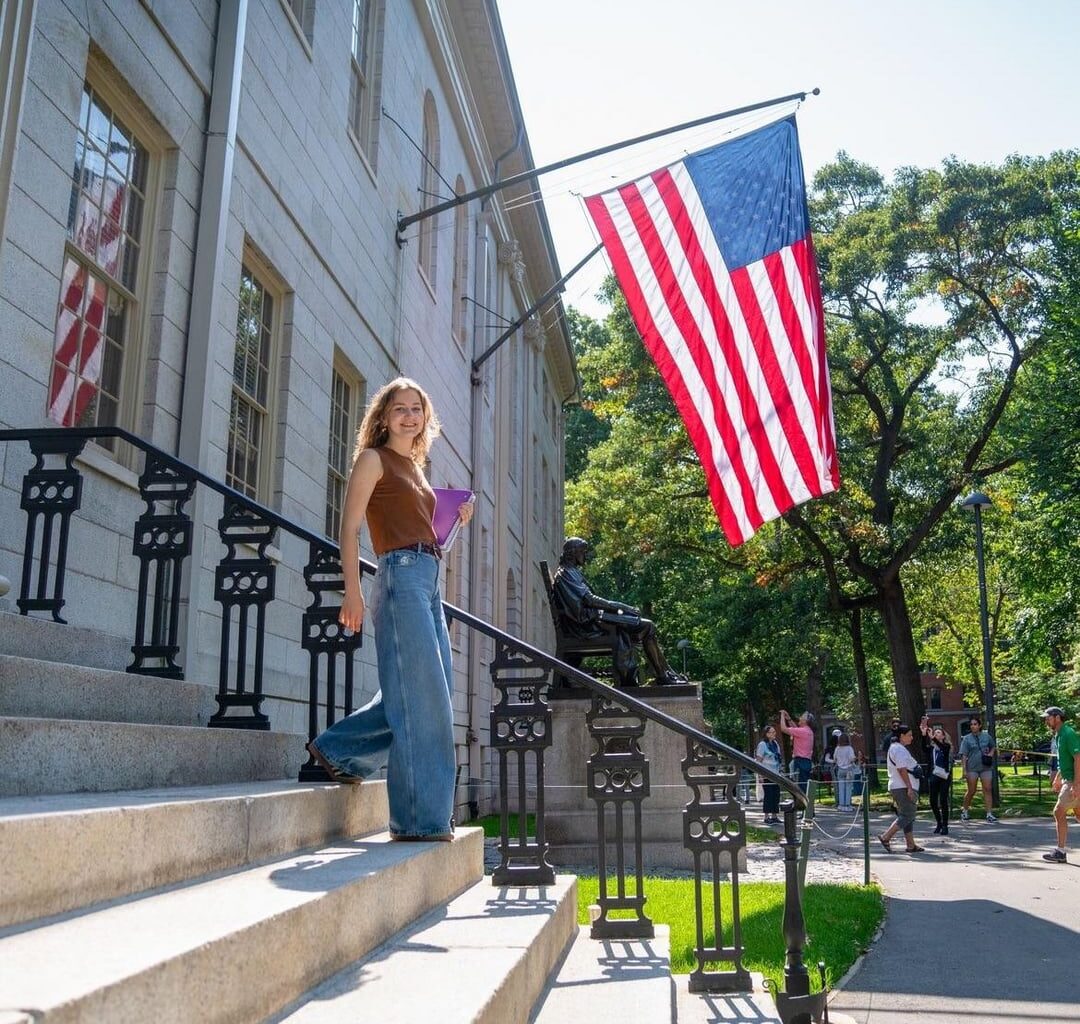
{"x": 46, "y": 494}
{"x": 243, "y": 583}
{"x": 714, "y": 831}
{"x": 520, "y": 726}
{"x": 324, "y": 637}
{"x": 162, "y": 541}
{"x": 618, "y": 778}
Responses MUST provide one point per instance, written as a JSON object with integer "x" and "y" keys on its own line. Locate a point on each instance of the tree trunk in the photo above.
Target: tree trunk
{"x": 905, "y": 664}
{"x": 862, "y": 682}
{"x": 813, "y": 688}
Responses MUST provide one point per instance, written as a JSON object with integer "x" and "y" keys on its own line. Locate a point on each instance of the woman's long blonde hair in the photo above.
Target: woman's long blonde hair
{"x": 374, "y": 433}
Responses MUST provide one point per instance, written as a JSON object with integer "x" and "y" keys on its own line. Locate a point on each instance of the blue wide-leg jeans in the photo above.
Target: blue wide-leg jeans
{"x": 409, "y": 724}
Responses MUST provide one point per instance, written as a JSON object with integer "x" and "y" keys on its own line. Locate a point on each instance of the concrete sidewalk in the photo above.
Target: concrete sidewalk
{"x": 979, "y": 929}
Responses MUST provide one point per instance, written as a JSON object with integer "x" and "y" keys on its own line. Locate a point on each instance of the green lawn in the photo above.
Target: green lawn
{"x": 840, "y": 921}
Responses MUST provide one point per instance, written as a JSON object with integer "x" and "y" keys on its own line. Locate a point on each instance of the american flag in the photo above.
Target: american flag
{"x": 715, "y": 258}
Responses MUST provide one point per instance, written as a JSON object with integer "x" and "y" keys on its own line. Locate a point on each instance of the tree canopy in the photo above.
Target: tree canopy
{"x": 953, "y": 325}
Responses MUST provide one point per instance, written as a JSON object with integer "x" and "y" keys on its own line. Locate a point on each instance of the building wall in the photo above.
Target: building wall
{"x": 315, "y": 221}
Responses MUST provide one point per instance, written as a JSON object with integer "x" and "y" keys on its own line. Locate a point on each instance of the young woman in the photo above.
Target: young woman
{"x": 409, "y": 724}
{"x": 904, "y": 789}
{"x": 844, "y": 759}
{"x": 768, "y": 754}
{"x": 940, "y": 781}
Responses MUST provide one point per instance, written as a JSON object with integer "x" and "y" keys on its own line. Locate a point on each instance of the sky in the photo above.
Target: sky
{"x": 901, "y": 84}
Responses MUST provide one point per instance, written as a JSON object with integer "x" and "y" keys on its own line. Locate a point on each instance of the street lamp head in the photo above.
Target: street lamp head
{"x": 976, "y": 500}
{"x": 683, "y": 644}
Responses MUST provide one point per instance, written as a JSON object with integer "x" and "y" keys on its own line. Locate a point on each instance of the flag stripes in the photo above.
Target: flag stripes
{"x": 741, "y": 351}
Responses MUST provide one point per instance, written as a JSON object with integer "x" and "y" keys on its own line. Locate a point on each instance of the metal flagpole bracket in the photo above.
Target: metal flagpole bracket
{"x": 403, "y": 222}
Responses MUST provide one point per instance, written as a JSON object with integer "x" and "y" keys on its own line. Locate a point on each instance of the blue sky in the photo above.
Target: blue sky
{"x": 901, "y": 84}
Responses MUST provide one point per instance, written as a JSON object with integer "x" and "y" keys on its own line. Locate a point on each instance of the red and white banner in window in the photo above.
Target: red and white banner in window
{"x": 78, "y": 347}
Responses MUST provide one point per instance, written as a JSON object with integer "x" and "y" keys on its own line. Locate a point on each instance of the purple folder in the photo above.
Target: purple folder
{"x": 445, "y": 521}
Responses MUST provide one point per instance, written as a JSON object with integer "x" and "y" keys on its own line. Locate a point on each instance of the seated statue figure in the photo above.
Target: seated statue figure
{"x": 585, "y": 614}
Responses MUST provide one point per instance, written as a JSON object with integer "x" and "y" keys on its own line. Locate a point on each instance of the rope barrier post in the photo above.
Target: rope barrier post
{"x": 807, "y": 828}
{"x": 866, "y": 834}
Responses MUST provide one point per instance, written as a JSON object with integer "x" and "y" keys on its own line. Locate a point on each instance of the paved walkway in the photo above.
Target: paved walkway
{"x": 979, "y": 929}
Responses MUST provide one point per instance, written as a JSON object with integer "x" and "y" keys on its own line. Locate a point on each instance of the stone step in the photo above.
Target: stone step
{"x": 482, "y": 959}
{"x": 53, "y": 755}
{"x": 712, "y": 1007}
{"x": 70, "y": 851}
{"x": 26, "y": 636}
{"x": 32, "y": 688}
{"x": 237, "y": 947}
{"x": 624, "y": 980}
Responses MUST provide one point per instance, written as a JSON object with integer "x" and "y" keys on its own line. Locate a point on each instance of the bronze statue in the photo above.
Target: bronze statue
{"x": 584, "y": 614}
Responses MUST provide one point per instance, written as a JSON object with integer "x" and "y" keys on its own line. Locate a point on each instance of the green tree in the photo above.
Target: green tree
{"x": 939, "y": 288}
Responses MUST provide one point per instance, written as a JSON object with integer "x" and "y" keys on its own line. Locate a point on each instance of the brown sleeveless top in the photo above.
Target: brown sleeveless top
{"x": 400, "y": 509}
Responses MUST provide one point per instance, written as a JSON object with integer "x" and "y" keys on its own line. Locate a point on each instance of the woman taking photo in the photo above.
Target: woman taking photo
{"x": 409, "y": 724}
{"x": 768, "y": 754}
{"x": 844, "y": 758}
{"x": 904, "y": 789}
{"x": 940, "y": 781}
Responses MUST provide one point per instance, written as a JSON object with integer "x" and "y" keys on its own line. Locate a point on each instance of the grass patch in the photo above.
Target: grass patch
{"x": 490, "y": 824}
{"x": 840, "y": 921}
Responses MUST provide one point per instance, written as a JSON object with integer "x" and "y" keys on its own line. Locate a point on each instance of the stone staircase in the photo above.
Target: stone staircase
{"x": 152, "y": 869}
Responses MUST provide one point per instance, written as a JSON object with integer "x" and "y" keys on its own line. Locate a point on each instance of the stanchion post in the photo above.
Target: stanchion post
{"x": 807, "y": 828}
{"x": 866, "y": 835}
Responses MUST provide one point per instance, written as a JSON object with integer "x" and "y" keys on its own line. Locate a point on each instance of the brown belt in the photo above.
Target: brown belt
{"x": 426, "y": 549}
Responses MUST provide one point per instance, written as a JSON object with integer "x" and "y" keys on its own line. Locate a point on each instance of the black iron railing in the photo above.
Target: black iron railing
{"x": 714, "y": 821}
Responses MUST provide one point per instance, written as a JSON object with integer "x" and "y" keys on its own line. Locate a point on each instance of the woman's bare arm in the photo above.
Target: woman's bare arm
{"x": 366, "y": 473}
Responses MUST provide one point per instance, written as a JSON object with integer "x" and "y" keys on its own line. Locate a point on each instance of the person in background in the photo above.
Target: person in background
{"x": 1066, "y": 780}
{"x": 768, "y": 755}
{"x": 802, "y": 745}
{"x": 844, "y": 759}
{"x": 977, "y": 754}
{"x": 904, "y": 789}
{"x": 939, "y": 782}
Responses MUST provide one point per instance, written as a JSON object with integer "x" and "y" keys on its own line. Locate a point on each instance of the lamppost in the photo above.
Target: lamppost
{"x": 683, "y": 645}
{"x": 976, "y": 502}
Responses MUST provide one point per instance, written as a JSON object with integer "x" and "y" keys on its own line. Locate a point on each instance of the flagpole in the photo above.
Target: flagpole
{"x": 536, "y": 172}
{"x": 558, "y": 286}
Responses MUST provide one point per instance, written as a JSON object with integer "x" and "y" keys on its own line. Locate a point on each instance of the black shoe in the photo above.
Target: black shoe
{"x": 1056, "y": 857}
{"x": 670, "y": 678}
{"x": 944, "y": 830}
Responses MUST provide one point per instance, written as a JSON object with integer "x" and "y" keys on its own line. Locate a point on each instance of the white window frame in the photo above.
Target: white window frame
{"x": 427, "y": 239}
{"x": 365, "y": 80}
{"x": 461, "y": 267}
{"x": 357, "y": 399}
{"x": 268, "y": 281}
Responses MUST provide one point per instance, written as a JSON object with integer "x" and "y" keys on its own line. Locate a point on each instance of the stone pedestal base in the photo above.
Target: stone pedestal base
{"x": 571, "y": 816}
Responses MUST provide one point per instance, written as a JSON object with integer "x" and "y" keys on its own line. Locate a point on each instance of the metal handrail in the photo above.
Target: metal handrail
{"x": 582, "y": 679}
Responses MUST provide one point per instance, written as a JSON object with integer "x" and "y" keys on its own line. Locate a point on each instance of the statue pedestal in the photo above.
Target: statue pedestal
{"x": 571, "y": 816}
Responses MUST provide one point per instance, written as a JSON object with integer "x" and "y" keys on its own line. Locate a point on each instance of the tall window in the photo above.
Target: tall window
{"x": 366, "y": 71}
{"x": 249, "y": 414}
{"x": 96, "y": 324}
{"x": 346, "y": 397}
{"x": 461, "y": 265}
{"x": 429, "y": 190}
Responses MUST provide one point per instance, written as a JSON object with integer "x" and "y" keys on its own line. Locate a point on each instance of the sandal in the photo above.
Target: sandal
{"x": 916, "y": 849}
{"x": 885, "y": 842}
{"x": 335, "y": 775}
